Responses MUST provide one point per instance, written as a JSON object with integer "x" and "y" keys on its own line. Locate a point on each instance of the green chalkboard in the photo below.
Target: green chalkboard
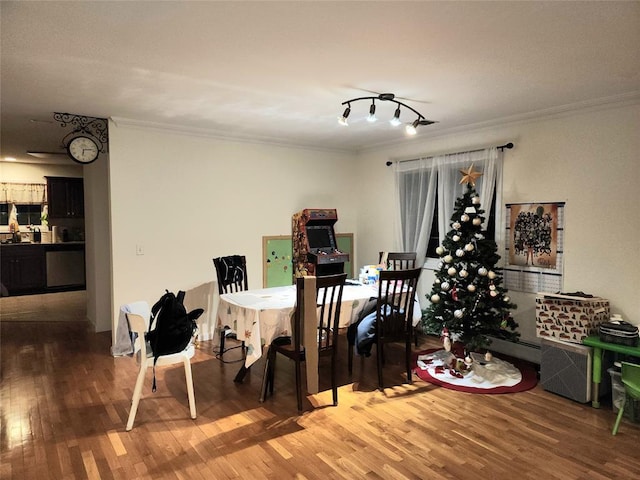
{"x": 277, "y": 258}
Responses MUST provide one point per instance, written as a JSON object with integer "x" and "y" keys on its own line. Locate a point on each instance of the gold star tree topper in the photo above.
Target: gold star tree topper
{"x": 470, "y": 176}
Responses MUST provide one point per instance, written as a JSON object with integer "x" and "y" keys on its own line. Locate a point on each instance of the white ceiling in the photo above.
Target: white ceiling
{"x": 279, "y": 71}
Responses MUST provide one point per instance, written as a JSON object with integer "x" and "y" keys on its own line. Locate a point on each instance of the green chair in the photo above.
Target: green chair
{"x": 631, "y": 381}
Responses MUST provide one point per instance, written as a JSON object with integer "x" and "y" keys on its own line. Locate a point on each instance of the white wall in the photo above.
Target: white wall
{"x": 185, "y": 199}
{"x": 98, "y": 243}
{"x": 588, "y": 159}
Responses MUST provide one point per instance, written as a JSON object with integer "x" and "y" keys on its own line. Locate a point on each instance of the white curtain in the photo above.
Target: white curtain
{"x": 23, "y": 193}
{"x": 415, "y": 191}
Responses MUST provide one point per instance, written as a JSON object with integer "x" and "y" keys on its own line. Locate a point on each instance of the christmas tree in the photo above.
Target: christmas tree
{"x": 467, "y": 301}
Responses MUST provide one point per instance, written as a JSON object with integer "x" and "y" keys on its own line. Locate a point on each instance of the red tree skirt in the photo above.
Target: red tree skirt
{"x": 528, "y": 381}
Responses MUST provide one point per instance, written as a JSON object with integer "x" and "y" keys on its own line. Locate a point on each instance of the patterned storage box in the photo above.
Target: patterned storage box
{"x": 569, "y": 318}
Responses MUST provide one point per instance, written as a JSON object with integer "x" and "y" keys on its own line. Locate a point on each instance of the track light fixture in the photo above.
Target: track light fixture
{"x": 410, "y": 129}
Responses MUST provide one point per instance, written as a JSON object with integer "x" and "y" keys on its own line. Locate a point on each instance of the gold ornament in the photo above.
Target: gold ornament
{"x": 470, "y": 176}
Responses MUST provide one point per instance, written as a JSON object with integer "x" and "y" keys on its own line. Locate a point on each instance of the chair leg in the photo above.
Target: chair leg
{"x": 221, "y": 343}
{"x": 299, "y": 383}
{"x": 334, "y": 380}
{"x": 379, "y": 359}
{"x": 407, "y": 359}
{"x": 272, "y": 371}
{"x": 190, "y": 394}
{"x": 619, "y": 417}
{"x": 137, "y": 392}
{"x": 265, "y": 377}
{"x": 350, "y": 358}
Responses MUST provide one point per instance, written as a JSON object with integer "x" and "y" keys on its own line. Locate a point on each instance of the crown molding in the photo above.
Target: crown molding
{"x": 224, "y": 136}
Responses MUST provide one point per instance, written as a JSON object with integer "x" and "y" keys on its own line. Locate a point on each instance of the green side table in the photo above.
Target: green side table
{"x": 599, "y": 348}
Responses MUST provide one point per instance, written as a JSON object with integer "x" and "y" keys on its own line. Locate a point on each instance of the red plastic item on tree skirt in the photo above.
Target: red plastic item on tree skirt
{"x": 439, "y": 369}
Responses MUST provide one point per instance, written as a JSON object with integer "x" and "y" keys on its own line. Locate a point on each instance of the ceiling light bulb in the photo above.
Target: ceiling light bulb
{"x": 395, "y": 121}
{"x": 372, "y": 113}
{"x": 343, "y": 120}
{"x": 411, "y": 128}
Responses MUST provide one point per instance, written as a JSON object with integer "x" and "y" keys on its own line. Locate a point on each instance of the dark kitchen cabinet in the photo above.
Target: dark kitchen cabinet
{"x": 23, "y": 268}
{"x": 66, "y": 197}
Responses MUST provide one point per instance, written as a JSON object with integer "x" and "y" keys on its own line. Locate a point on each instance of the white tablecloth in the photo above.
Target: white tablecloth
{"x": 259, "y": 316}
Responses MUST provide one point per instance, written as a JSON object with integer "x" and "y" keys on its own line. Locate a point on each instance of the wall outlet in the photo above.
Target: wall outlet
{"x": 139, "y": 250}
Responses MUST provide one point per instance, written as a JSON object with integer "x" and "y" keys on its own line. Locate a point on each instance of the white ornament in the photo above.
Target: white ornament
{"x": 440, "y": 265}
{"x": 469, "y": 247}
{"x": 436, "y": 280}
{"x": 452, "y": 271}
{"x": 506, "y": 298}
{"x": 448, "y": 259}
{"x": 482, "y": 271}
{"x": 444, "y": 286}
{"x": 492, "y": 287}
{"x": 439, "y": 250}
{"x": 464, "y": 217}
{"x": 435, "y": 298}
{"x": 479, "y": 236}
{"x": 458, "y": 314}
{"x": 460, "y": 253}
{"x": 464, "y": 273}
{"x": 488, "y": 357}
{"x": 475, "y": 200}
{"x": 471, "y": 287}
{"x": 456, "y": 238}
{"x": 468, "y": 360}
{"x": 492, "y": 274}
{"x": 493, "y": 293}
{"x": 456, "y": 225}
{"x": 477, "y": 221}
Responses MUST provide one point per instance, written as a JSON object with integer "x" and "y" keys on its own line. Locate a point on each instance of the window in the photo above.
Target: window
{"x": 427, "y": 189}
{"x": 28, "y": 214}
{"x": 4, "y": 214}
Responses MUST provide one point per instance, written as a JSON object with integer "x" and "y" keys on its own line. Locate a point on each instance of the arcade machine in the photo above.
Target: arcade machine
{"x": 315, "y": 251}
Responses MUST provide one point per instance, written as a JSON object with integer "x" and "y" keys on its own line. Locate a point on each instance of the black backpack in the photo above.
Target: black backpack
{"x": 174, "y": 327}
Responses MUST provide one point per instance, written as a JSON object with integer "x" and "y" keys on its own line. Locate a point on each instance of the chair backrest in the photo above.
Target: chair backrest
{"x": 138, "y": 325}
{"x": 328, "y": 303}
{"x": 232, "y": 273}
{"x": 394, "y": 307}
{"x": 399, "y": 260}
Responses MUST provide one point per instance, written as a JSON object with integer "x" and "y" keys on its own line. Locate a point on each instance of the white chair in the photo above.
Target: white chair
{"x": 144, "y": 357}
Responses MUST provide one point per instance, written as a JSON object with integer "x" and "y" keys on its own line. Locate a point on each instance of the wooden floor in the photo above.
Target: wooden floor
{"x": 65, "y": 401}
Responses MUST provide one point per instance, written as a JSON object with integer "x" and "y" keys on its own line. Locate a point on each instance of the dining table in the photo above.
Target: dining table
{"x": 259, "y": 316}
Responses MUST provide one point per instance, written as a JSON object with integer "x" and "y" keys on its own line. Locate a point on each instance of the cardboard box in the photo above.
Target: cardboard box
{"x": 569, "y": 318}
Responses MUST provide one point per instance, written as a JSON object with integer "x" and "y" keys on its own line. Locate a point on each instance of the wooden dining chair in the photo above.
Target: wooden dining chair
{"x": 328, "y": 301}
{"x": 402, "y": 261}
{"x": 392, "y": 320}
{"x": 231, "y": 272}
{"x": 399, "y": 260}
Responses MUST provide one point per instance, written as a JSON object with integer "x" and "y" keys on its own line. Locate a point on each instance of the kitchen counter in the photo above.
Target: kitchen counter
{"x": 29, "y": 268}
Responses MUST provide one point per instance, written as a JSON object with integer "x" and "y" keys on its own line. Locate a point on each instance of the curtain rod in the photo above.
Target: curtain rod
{"x": 508, "y": 146}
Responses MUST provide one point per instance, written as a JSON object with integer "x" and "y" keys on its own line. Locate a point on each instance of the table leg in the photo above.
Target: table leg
{"x": 597, "y": 376}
